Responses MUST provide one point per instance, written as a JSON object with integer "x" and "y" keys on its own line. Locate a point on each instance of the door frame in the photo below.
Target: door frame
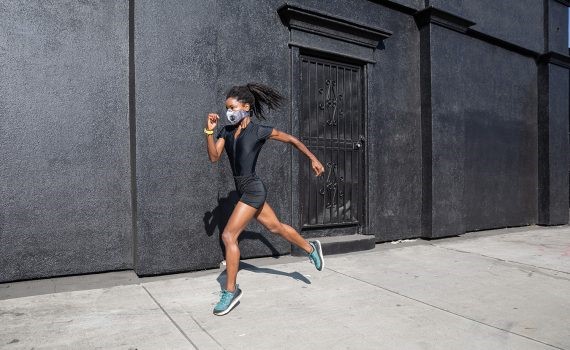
{"x": 295, "y": 105}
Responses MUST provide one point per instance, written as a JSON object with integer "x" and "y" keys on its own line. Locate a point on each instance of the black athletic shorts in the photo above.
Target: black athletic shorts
{"x": 251, "y": 189}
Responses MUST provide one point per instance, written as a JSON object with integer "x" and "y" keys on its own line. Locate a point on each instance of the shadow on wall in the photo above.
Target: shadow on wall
{"x": 217, "y": 219}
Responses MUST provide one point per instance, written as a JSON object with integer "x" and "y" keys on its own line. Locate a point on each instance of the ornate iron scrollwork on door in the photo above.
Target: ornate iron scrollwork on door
{"x": 330, "y": 189}
{"x": 330, "y": 101}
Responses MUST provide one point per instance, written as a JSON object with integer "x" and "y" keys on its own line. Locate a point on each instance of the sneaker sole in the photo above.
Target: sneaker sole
{"x": 320, "y": 252}
{"x": 231, "y": 306}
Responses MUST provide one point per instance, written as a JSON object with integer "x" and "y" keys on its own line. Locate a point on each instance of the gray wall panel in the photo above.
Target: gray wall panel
{"x": 484, "y": 133}
{"x": 559, "y": 112}
{"x": 553, "y": 145}
{"x": 175, "y": 84}
{"x": 262, "y": 55}
{"x": 184, "y": 66}
{"x": 64, "y": 191}
{"x": 394, "y": 142}
{"x": 501, "y": 140}
{"x": 484, "y": 110}
{"x": 557, "y": 27}
{"x": 394, "y": 133}
{"x": 449, "y": 90}
{"x": 517, "y": 21}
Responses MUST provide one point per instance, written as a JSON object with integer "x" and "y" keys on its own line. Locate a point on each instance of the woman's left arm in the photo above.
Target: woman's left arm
{"x": 282, "y": 136}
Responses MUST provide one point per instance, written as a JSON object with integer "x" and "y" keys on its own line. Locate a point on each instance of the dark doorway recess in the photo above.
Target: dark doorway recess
{"x": 332, "y": 125}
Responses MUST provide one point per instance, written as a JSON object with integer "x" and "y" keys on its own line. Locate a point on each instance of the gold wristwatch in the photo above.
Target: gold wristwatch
{"x": 209, "y": 132}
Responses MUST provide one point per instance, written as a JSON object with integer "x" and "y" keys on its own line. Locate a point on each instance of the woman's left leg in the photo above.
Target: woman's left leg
{"x": 266, "y": 216}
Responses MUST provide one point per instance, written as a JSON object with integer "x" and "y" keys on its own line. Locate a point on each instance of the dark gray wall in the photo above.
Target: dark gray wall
{"x": 64, "y": 138}
{"x": 172, "y": 163}
{"x": 557, "y": 27}
{"x": 480, "y": 90}
{"x": 484, "y": 124}
{"x": 553, "y": 144}
{"x": 552, "y": 118}
{"x": 64, "y": 127}
{"x": 516, "y": 21}
{"x": 184, "y": 65}
{"x": 394, "y": 142}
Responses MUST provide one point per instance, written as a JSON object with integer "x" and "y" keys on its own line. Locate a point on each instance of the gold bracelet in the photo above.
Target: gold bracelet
{"x": 209, "y": 132}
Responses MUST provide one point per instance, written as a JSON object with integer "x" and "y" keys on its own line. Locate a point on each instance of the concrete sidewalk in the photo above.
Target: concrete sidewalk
{"x": 496, "y": 289}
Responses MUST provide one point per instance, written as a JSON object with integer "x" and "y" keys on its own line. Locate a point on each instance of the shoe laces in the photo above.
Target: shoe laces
{"x": 226, "y": 295}
{"x": 312, "y": 259}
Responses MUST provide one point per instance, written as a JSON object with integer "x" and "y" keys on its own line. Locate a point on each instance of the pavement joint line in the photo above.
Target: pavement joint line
{"x": 205, "y": 331}
{"x": 442, "y": 309}
{"x": 171, "y": 320}
{"x": 505, "y": 260}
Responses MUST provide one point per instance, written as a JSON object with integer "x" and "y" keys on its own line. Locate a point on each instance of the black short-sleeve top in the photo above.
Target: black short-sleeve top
{"x": 243, "y": 151}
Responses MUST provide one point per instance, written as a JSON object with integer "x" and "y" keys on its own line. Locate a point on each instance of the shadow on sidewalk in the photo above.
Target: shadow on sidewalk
{"x": 245, "y": 266}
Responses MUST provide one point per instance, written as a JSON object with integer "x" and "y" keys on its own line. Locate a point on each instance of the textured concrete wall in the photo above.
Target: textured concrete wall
{"x": 394, "y": 142}
{"x": 553, "y": 145}
{"x": 64, "y": 190}
{"x": 516, "y": 21}
{"x": 552, "y": 119}
{"x": 483, "y": 139}
{"x": 183, "y": 68}
{"x": 186, "y": 57}
{"x": 64, "y": 127}
{"x": 485, "y": 130}
{"x": 557, "y": 27}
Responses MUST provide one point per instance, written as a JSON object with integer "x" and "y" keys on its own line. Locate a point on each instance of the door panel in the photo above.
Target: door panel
{"x": 331, "y": 126}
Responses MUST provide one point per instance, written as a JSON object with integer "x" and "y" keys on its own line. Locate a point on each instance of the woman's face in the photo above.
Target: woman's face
{"x": 233, "y": 104}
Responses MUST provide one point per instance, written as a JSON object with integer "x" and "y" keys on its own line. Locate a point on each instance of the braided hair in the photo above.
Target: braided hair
{"x": 258, "y": 96}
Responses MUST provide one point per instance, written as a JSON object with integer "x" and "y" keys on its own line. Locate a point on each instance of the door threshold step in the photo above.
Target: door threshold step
{"x": 340, "y": 244}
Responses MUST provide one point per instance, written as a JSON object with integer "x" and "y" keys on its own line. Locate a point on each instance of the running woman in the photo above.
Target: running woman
{"x": 243, "y": 139}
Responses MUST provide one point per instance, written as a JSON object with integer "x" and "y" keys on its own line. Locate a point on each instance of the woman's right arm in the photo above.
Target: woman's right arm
{"x": 215, "y": 149}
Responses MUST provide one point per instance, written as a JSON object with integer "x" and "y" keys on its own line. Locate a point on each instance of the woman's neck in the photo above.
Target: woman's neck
{"x": 244, "y": 122}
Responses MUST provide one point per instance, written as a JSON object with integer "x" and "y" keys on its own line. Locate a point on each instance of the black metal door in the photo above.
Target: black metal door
{"x": 331, "y": 125}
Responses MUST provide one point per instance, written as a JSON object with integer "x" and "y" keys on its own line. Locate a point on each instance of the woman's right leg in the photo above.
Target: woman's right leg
{"x": 237, "y": 222}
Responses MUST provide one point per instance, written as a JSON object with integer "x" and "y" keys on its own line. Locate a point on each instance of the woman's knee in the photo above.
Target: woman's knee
{"x": 229, "y": 237}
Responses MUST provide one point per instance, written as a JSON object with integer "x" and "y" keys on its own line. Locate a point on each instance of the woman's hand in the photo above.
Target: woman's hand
{"x": 318, "y": 168}
{"x": 212, "y": 121}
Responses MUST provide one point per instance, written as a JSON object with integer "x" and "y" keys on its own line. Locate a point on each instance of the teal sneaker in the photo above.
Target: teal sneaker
{"x": 316, "y": 255}
{"x": 227, "y": 301}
